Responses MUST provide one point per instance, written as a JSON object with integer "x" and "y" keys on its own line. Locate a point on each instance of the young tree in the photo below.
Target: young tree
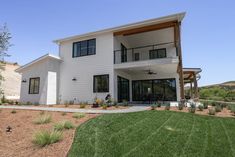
{"x": 5, "y": 37}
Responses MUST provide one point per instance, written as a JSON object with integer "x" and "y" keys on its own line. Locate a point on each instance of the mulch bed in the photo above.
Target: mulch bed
{"x": 224, "y": 113}
{"x": 19, "y": 141}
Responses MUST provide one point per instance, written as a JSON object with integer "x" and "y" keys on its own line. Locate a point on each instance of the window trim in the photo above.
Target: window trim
{"x": 87, "y": 53}
{"x": 94, "y": 90}
{"x": 34, "y": 78}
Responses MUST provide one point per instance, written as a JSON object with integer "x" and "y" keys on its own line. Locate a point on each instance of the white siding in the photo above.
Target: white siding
{"x": 84, "y": 68}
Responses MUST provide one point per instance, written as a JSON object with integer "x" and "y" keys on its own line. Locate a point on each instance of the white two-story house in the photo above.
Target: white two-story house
{"x": 138, "y": 62}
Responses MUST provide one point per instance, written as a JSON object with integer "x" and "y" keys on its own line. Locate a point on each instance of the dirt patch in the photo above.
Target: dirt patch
{"x": 224, "y": 113}
{"x": 19, "y": 141}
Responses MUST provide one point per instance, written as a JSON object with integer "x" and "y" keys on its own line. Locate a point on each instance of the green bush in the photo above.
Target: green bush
{"x": 78, "y": 115}
{"x": 233, "y": 110}
{"x": 218, "y": 108}
{"x": 211, "y": 111}
{"x": 181, "y": 106}
{"x": 200, "y": 107}
{"x": 167, "y": 106}
{"x": 153, "y": 106}
{"x": 43, "y": 119}
{"x": 205, "y": 105}
{"x": 63, "y": 125}
{"x": 43, "y": 138}
{"x": 63, "y": 113}
{"x": 158, "y": 104}
{"x": 83, "y": 105}
{"x": 104, "y": 106}
{"x": 13, "y": 111}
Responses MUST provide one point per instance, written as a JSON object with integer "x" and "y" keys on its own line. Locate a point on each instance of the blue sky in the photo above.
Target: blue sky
{"x": 208, "y": 30}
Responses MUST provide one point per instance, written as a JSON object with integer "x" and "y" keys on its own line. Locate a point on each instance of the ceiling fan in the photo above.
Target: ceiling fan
{"x": 149, "y": 72}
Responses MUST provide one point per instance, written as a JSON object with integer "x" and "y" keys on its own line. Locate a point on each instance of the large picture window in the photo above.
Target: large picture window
{"x": 34, "y": 85}
{"x": 84, "y": 48}
{"x": 101, "y": 83}
{"x": 154, "y": 90}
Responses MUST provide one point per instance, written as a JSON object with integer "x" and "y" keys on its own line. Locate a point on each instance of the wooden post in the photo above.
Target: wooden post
{"x": 180, "y": 65}
{"x": 195, "y": 86}
{"x": 191, "y": 88}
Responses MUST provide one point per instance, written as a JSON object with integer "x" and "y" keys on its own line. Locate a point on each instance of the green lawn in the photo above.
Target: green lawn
{"x": 155, "y": 133}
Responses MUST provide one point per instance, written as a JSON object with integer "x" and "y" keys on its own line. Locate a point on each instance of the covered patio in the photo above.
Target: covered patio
{"x": 191, "y": 77}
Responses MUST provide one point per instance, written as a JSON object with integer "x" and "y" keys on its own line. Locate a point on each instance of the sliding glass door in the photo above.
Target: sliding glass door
{"x": 123, "y": 89}
{"x": 154, "y": 90}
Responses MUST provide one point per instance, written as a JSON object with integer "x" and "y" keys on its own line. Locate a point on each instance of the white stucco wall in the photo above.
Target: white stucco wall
{"x": 41, "y": 69}
{"x": 84, "y": 68}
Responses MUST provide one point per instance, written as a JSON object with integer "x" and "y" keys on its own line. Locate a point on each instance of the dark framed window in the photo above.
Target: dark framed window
{"x": 34, "y": 85}
{"x": 123, "y": 53}
{"x": 101, "y": 83}
{"x": 157, "y": 53}
{"x": 84, "y": 48}
{"x": 137, "y": 56}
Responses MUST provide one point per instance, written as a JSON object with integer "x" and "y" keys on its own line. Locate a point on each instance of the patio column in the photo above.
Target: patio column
{"x": 191, "y": 88}
{"x": 195, "y": 86}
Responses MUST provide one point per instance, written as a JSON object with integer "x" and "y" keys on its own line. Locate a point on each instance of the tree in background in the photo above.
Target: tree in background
{"x": 5, "y": 37}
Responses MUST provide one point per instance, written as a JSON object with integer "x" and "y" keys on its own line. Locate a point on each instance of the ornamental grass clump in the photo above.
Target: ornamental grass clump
{"x": 153, "y": 106}
{"x": 181, "y": 106}
{"x": 218, "y": 108}
{"x": 43, "y": 138}
{"x": 200, "y": 107}
{"x": 63, "y": 125}
{"x": 211, "y": 111}
{"x": 192, "y": 108}
{"x": 78, "y": 115}
{"x": 167, "y": 106}
{"x": 43, "y": 119}
{"x": 13, "y": 111}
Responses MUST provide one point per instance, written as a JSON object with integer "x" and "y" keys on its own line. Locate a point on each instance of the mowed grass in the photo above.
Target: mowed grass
{"x": 155, "y": 133}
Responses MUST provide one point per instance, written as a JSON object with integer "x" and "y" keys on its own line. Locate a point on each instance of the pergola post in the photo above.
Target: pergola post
{"x": 195, "y": 86}
{"x": 191, "y": 88}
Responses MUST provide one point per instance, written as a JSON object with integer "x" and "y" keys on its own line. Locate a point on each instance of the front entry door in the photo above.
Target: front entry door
{"x": 123, "y": 89}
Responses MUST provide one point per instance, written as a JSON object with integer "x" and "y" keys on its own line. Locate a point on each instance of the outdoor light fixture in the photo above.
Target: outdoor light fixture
{"x": 24, "y": 80}
{"x": 74, "y": 79}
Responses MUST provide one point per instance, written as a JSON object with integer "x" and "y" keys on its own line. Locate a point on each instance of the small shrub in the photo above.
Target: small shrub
{"x": 153, "y": 106}
{"x": 125, "y": 103}
{"x": 158, "y": 104}
{"x": 233, "y": 110}
{"x": 83, "y": 105}
{"x": 211, "y": 111}
{"x": 42, "y": 113}
{"x": 71, "y": 102}
{"x": 218, "y": 108}
{"x": 36, "y": 104}
{"x": 43, "y": 138}
{"x": 104, "y": 106}
{"x": 78, "y": 115}
{"x": 43, "y": 119}
{"x": 167, "y": 106}
{"x": 13, "y": 111}
{"x": 192, "y": 108}
{"x": 63, "y": 125}
{"x": 28, "y": 103}
{"x": 63, "y": 113}
{"x": 200, "y": 107}
{"x": 181, "y": 106}
{"x": 205, "y": 105}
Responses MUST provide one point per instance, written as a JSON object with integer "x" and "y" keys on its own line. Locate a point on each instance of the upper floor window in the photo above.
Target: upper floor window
{"x": 34, "y": 85}
{"x": 84, "y": 48}
{"x": 101, "y": 83}
{"x": 157, "y": 53}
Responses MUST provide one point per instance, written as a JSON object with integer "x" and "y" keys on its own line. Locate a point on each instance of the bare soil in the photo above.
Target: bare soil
{"x": 224, "y": 112}
{"x": 19, "y": 141}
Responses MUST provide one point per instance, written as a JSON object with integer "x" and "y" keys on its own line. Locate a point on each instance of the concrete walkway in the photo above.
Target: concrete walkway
{"x": 127, "y": 110}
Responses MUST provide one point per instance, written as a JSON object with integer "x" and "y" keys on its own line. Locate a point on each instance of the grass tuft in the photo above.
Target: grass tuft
{"x": 78, "y": 115}
{"x": 63, "y": 125}
{"x": 43, "y": 138}
{"x": 13, "y": 111}
{"x": 43, "y": 119}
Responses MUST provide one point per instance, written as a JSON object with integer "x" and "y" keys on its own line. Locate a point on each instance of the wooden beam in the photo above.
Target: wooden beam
{"x": 146, "y": 28}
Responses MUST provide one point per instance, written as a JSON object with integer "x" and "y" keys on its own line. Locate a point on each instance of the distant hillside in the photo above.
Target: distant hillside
{"x": 12, "y": 81}
{"x": 222, "y": 92}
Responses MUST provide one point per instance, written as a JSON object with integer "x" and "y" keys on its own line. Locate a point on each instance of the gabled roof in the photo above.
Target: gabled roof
{"x": 46, "y": 56}
{"x": 175, "y": 17}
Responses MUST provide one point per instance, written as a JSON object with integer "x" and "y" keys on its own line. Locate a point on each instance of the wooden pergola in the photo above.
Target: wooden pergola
{"x": 191, "y": 76}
